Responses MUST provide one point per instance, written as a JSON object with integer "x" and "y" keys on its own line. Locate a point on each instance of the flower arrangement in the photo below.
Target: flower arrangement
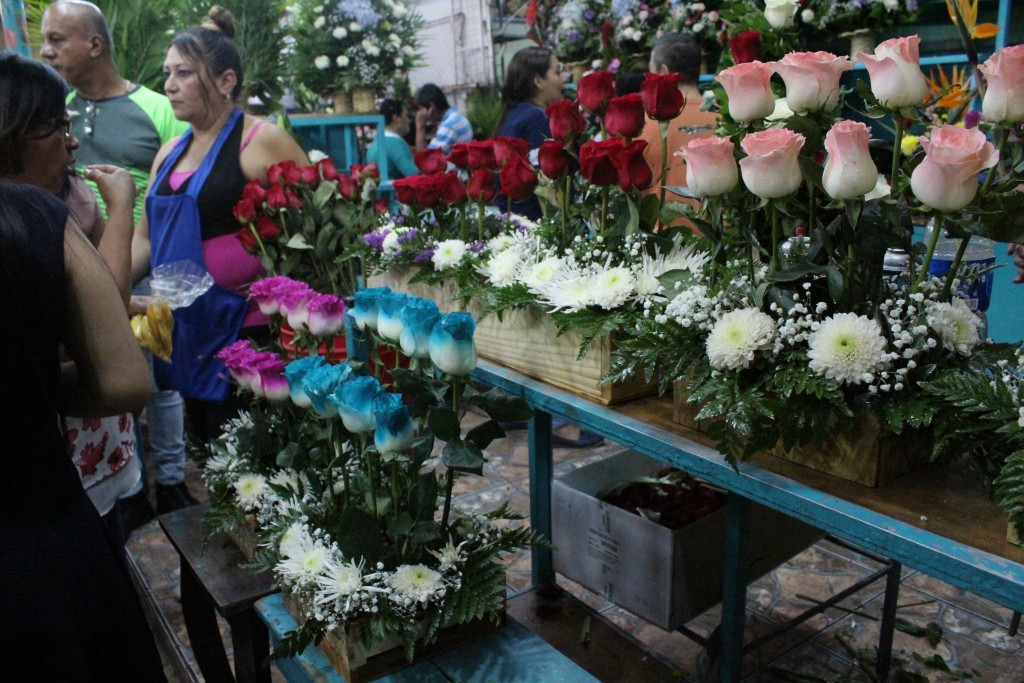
{"x": 854, "y": 15}
{"x": 352, "y": 498}
{"x": 702, "y": 20}
{"x": 581, "y": 31}
{"x": 350, "y": 44}
{"x": 305, "y": 220}
{"x": 814, "y": 329}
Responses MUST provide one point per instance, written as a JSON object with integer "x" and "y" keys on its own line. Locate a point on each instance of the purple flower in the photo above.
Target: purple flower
{"x": 424, "y": 256}
{"x": 477, "y": 247}
{"x": 325, "y": 315}
{"x": 293, "y": 305}
{"x": 271, "y": 380}
{"x": 376, "y": 238}
{"x": 408, "y": 236}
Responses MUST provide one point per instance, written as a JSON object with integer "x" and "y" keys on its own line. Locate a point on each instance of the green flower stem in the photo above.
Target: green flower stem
{"x": 604, "y": 210}
{"x": 449, "y": 477}
{"x": 897, "y": 148}
{"x": 480, "y": 220}
{"x": 933, "y": 239}
{"x": 462, "y": 225}
{"x": 565, "y": 210}
{"x": 335, "y": 433}
{"x": 1001, "y": 135}
{"x": 663, "y": 126}
{"x": 252, "y": 229}
{"x": 776, "y": 236}
{"x": 714, "y": 209}
{"x": 811, "y": 207}
{"x": 371, "y": 475}
{"x": 947, "y": 283}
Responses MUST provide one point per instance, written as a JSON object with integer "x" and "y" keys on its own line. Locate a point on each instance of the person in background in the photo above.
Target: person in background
{"x": 680, "y": 54}
{"x": 434, "y": 116}
{"x": 392, "y": 150}
{"x": 70, "y": 609}
{"x": 119, "y": 122}
{"x": 628, "y": 81}
{"x": 194, "y": 184}
{"x": 533, "y": 80}
{"x": 102, "y": 448}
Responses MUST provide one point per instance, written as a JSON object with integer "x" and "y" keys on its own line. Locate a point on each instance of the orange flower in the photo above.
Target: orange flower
{"x": 953, "y": 91}
{"x": 969, "y": 11}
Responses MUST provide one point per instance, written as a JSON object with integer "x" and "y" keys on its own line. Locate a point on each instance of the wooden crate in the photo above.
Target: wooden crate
{"x": 244, "y": 536}
{"x": 356, "y": 664}
{"x": 1012, "y": 535}
{"x": 859, "y": 454}
{"x": 526, "y": 340}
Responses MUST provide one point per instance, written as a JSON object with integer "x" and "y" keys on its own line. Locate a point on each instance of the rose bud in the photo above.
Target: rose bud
{"x": 473, "y": 155}
{"x": 353, "y": 400}
{"x": 389, "y": 315}
{"x": 248, "y": 240}
{"x": 895, "y": 71}
{"x": 295, "y": 371}
{"x": 244, "y": 210}
{"x": 321, "y": 383}
{"x": 327, "y": 169}
{"x": 745, "y": 46}
{"x": 276, "y": 197}
{"x": 780, "y": 13}
{"x": 553, "y": 158}
{"x": 711, "y": 169}
{"x": 452, "y": 190}
{"x": 771, "y": 169}
{"x": 633, "y": 171}
{"x": 394, "y": 430}
{"x": 451, "y": 345}
{"x": 254, "y": 190}
{"x": 405, "y": 189}
{"x": 812, "y": 79}
{"x": 1004, "y": 92}
{"x": 849, "y": 170}
{"x": 418, "y": 319}
{"x": 348, "y": 187}
{"x": 276, "y": 173}
{"x": 309, "y": 175}
{"x": 481, "y": 185}
{"x": 506, "y": 148}
{"x": 594, "y": 90}
{"x": 748, "y": 87}
{"x": 662, "y": 98}
{"x": 518, "y": 179}
{"x": 430, "y": 161}
{"x": 596, "y": 161}
{"x": 625, "y": 116}
{"x": 267, "y": 229}
{"x": 947, "y": 179}
{"x": 428, "y": 190}
{"x": 566, "y": 121}
{"x": 273, "y": 383}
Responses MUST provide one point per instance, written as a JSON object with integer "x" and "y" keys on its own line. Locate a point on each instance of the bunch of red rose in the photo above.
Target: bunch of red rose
{"x": 617, "y": 158}
{"x": 486, "y": 166}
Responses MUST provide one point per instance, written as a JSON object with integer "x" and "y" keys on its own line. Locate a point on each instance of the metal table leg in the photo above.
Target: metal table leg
{"x": 734, "y": 590}
{"x": 539, "y": 436}
{"x": 888, "y": 626}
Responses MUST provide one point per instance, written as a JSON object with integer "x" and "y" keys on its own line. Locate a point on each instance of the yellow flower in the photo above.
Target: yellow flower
{"x": 953, "y": 91}
{"x": 969, "y": 11}
{"x": 908, "y": 145}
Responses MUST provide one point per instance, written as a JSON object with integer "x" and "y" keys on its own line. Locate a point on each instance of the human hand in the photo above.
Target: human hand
{"x": 83, "y": 208}
{"x": 116, "y": 185}
{"x": 138, "y": 304}
{"x": 1017, "y": 252}
{"x": 423, "y": 117}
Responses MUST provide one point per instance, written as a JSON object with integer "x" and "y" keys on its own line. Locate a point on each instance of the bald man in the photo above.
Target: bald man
{"x": 121, "y": 123}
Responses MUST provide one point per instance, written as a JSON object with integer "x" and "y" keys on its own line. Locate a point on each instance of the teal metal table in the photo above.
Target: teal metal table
{"x": 937, "y": 521}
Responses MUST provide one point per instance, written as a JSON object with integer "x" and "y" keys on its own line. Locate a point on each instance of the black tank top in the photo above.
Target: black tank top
{"x": 222, "y": 189}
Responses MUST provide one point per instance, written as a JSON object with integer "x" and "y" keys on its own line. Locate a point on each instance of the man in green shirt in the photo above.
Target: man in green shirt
{"x": 125, "y": 124}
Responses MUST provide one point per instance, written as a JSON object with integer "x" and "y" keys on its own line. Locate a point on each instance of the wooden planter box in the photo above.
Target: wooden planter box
{"x": 355, "y": 663}
{"x": 526, "y": 340}
{"x": 1011, "y": 534}
{"x": 244, "y": 536}
{"x": 861, "y": 454}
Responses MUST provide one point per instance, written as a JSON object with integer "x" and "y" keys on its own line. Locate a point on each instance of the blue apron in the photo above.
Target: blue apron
{"x": 215, "y": 319}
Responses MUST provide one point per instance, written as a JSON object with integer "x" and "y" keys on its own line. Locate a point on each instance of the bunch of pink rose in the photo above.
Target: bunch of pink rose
{"x": 945, "y": 179}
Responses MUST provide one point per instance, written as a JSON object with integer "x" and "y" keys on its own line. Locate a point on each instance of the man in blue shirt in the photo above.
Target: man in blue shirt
{"x": 434, "y": 113}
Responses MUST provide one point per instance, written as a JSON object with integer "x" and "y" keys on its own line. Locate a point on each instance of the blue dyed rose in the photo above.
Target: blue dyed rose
{"x": 353, "y": 401}
{"x": 418, "y": 318}
{"x": 394, "y": 430}
{"x": 295, "y": 371}
{"x": 451, "y": 344}
{"x": 320, "y": 382}
{"x": 389, "y": 315}
{"x": 364, "y": 312}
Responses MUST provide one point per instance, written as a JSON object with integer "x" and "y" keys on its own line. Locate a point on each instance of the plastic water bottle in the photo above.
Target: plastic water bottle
{"x": 794, "y": 249}
{"x": 896, "y": 267}
{"x": 976, "y": 275}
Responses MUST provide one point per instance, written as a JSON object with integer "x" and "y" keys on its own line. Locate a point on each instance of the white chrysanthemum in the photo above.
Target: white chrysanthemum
{"x": 339, "y": 32}
{"x": 322, "y": 62}
{"x": 390, "y": 244}
{"x": 847, "y": 347}
{"x": 339, "y": 582}
{"x": 449, "y": 556}
{"x": 294, "y": 540}
{"x": 569, "y": 290}
{"x": 499, "y": 243}
{"x": 737, "y": 336}
{"x": 680, "y": 257}
{"x": 342, "y": 61}
{"x": 612, "y": 287}
{"x": 956, "y": 324}
{"x": 417, "y": 582}
{"x": 537, "y": 274}
{"x": 448, "y": 253}
{"x": 316, "y": 155}
{"x": 221, "y": 463}
{"x": 286, "y": 479}
{"x": 305, "y": 565}
{"x": 319, "y": 22}
{"x": 248, "y": 489}
{"x": 500, "y": 270}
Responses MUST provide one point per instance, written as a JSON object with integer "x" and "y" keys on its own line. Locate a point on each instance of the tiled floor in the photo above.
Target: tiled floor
{"x": 974, "y": 632}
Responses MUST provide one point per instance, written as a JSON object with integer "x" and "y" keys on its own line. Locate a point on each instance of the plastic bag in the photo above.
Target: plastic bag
{"x": 174, "y": 285}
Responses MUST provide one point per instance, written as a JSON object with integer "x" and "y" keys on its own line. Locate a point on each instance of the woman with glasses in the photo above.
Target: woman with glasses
{"x": 195, "y": 182}
{"x": 69, "y": 608}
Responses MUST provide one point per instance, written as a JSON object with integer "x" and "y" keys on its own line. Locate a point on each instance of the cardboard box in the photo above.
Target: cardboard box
{"x": 666, "y": 577}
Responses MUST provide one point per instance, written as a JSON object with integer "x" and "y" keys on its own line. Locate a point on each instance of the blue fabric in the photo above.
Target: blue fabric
{"x": 393, "y": 151}
{"x": 528, "y": 122}
{"x": 215, "y": 319}
{"x": 454, "y": 127}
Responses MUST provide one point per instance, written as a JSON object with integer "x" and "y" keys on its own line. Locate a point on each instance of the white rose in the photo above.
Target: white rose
{"x": 779, "y": 13}
{"x": 341, "y": 61}
{"x": 339, "y": 32}
{"x": 319, "y": 22}
{"x": 322, "y": 62}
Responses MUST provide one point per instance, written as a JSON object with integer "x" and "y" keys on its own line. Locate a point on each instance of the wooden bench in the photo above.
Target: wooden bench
{"x": 212, "y": 581}
{"x": 513, "y": 653}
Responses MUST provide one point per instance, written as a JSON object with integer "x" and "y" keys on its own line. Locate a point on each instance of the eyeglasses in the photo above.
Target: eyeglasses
{"x": 64, "y": 124}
